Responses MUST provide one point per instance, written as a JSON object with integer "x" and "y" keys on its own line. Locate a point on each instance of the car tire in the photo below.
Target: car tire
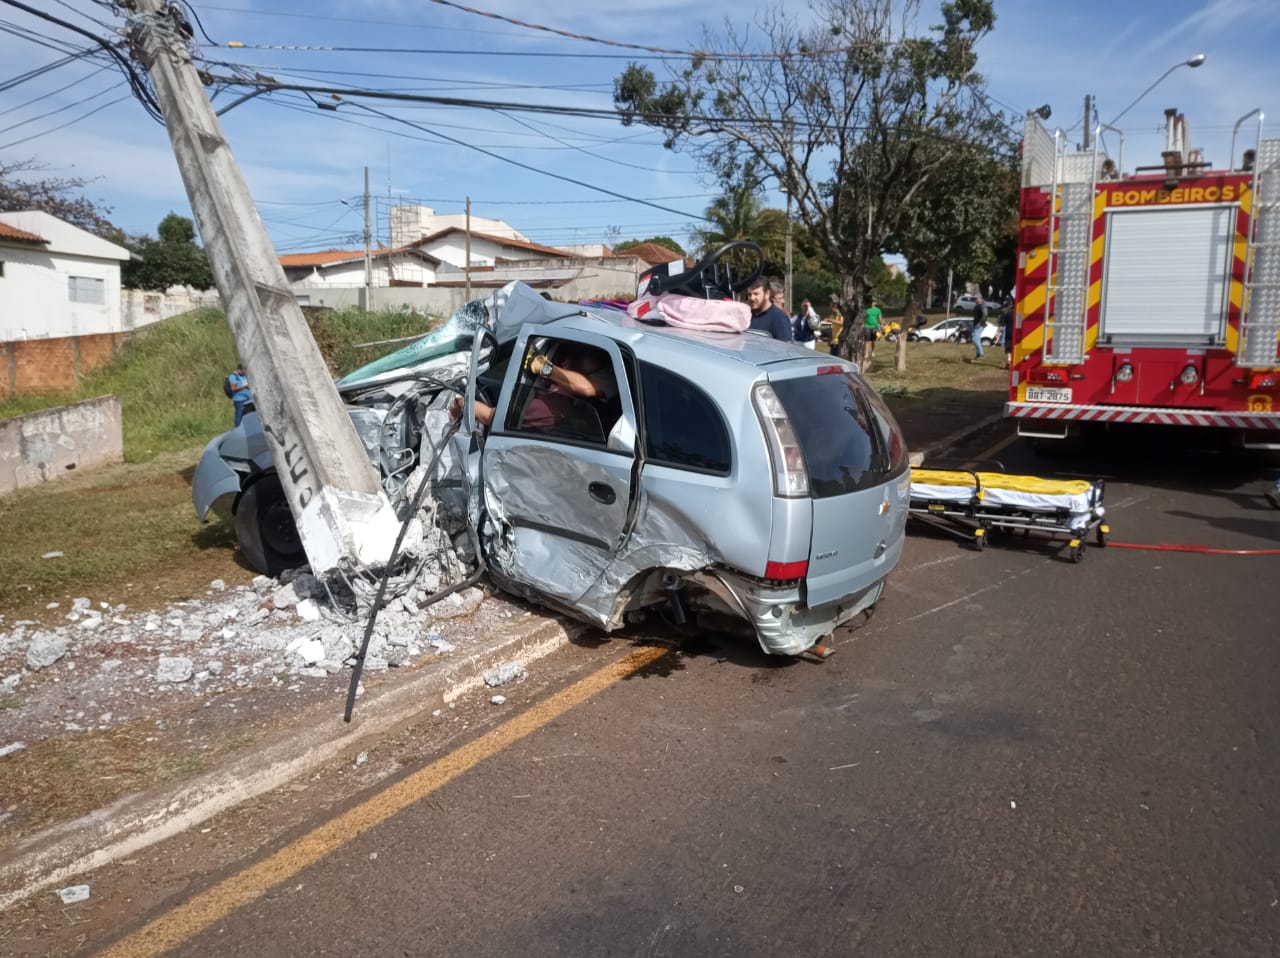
{"x": 265, "y": 528}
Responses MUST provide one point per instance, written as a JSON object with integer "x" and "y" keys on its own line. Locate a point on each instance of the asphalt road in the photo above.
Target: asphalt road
{"x": 1016, "y": 755}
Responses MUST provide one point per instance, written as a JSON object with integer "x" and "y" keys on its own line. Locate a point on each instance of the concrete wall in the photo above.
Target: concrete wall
{"x": 141, "y": 307}
{"x": 42, "y": 446}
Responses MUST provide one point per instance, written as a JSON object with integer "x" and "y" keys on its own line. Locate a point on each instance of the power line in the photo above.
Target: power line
{"x": 7, "y": 146}
{"x": 691, "y": 54}
{"x": 140, "y": 89}
{"x": 526, "y": 166}
{"x": 61, "y": 109}
{"x": 42, "y": 70}
{"x": 45, "y": 96}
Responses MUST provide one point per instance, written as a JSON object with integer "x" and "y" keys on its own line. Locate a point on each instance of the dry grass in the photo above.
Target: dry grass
{"x": 65, "y": 777}
{"x": 128, "y": 534}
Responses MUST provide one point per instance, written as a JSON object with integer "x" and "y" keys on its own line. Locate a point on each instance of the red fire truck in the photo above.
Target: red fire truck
{"x": 1147, "y": 298}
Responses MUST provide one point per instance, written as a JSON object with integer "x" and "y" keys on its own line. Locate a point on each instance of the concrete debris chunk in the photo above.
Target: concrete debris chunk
{"x": 308, "y": 611}
{"x": 262, "y": 584}
{"x": 284, "y": 597}
{"x": 218, "y": 585}
{"x": 53, "y": 555}
{"x": 498, "y": 700}
{"x": 11, "y": 748}
{"x": 174, "y": 668}
{"x": 46, "y": 648}
{"x": 73, "y": 893}
{"x": 81, "y": 604}
{"x": 504, "y": 673}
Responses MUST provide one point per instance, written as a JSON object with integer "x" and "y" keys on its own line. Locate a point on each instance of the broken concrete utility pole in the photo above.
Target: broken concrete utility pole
{"x": 333, "y": 492}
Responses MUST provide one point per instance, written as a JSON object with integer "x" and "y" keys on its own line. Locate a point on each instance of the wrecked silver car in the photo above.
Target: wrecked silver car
{"x": 704, "y": 475}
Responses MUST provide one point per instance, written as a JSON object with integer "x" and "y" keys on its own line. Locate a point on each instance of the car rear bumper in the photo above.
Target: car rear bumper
{"x": 782, "y": 623}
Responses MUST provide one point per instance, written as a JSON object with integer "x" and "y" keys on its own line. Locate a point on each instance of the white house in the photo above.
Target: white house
{"x": 56, "y": 279}
{"x": 449, "y": 245}
{"x": 339, "y": 268}
{"x": 410, "y": 223}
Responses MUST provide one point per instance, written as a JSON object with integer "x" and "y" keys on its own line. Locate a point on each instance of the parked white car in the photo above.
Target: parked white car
{"x": 946, "y": 331}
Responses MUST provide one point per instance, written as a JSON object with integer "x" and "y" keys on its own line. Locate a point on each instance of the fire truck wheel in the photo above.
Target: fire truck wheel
{"x": 265, "y": 528}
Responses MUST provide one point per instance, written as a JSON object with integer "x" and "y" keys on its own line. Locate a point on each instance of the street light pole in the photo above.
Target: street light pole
{"x": 1194, "y": 62}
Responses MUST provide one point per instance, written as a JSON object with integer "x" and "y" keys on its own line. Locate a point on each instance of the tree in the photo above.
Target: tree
{"x": 666, "y": 241}
{"x": 963, "y": 217}
{"x": 738, "y": 213}
{"x": 57, "y": 196}
{"x": 175, "y": 259}
{"x": 841, "y": 116}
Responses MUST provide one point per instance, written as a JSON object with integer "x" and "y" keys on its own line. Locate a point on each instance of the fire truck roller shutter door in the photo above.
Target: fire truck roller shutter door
{"x": 1166, "y": 273}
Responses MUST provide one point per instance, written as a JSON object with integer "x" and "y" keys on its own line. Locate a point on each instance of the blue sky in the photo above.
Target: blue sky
{"x": 302, "y": 162}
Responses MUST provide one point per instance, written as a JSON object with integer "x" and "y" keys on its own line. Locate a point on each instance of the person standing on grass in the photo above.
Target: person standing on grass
{"x": 237, "y": 389}
{"x": 765, "y": 317}
{"x": 805, "y": 325}
{"x": 870, "y": 332}
{"x": 1006, "y": 332}
{"x": 979, "y": 324}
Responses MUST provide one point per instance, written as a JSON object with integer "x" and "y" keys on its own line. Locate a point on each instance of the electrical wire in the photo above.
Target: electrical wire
{"x": 51, "y": 93}
{"x": 527, "y": 166}
{"x": 7, "y": 146}
{"x": 62, "y": 109}
{"x": 139, "y": 88}
{"x": 41, "y": 71}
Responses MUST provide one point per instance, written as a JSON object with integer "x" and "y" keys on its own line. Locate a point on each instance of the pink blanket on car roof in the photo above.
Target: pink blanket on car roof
{"x": 690, "y": 312}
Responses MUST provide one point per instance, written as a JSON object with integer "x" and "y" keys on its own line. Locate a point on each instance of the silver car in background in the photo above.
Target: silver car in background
{"x": 728, "y": 476}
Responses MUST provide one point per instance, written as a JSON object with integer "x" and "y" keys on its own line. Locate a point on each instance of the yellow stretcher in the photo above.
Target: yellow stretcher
{"x": 971, "y": 504}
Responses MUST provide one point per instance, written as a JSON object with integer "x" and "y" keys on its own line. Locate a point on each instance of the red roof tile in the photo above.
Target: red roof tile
{"x": 500, "y": 240}
{"x": 651, "y": 253}
{"x": 13, "y": 233}
{"x": 328, "y": 257}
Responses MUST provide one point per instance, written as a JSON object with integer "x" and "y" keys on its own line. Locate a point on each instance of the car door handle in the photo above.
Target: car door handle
{"x": 602, "y": 492}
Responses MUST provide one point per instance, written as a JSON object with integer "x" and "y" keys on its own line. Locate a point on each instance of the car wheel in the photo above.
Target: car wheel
{"x": 265, "y": 528}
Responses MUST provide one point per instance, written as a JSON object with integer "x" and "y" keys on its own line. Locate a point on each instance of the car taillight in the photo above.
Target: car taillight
{"x": 790, "y": 474}
{"x": 786, "y": 570}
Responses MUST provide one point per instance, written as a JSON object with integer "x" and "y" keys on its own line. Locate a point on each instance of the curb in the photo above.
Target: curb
{"x": 137, "y": 821}
{"x": 947, "y": 443}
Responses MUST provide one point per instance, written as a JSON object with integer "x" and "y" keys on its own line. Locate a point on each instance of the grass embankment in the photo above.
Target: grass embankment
{"x": 128, "y": 533}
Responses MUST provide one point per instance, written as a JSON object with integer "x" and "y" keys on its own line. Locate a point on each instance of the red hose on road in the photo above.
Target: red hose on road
{"x": 1206, "y": 550}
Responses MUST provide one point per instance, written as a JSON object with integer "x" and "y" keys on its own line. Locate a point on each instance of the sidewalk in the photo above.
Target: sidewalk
{"x": 104, "y": 768}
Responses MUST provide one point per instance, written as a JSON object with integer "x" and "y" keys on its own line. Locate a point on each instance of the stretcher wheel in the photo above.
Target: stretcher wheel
{"x": 1104, "y": 535}
{"x": 980, "y": 539}
{"x": 1077, "y": 550}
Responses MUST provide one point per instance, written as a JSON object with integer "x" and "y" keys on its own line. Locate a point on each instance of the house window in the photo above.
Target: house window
{"x": 87, "y": 289}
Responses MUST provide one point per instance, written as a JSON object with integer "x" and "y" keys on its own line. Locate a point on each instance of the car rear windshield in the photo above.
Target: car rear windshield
{"x": 848, "y": 435}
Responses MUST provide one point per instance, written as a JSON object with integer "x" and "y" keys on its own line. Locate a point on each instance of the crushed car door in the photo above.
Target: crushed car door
{"x": 557, "y": 466}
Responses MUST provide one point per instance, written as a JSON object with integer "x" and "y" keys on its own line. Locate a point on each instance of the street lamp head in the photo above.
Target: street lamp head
{"x": 1196, "y": 60}
{"x": 1044, "y": 112}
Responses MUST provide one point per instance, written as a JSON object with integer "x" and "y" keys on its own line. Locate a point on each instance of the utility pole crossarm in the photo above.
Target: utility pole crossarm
{"x": 332, "y": 489}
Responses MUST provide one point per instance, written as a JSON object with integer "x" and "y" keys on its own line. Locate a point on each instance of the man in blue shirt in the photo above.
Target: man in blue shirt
{"x": 238, "y": 389}
{"x": 764, "y": 315}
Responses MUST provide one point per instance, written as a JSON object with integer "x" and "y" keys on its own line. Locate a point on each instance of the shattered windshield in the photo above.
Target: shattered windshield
{"x": 454, "y": 335}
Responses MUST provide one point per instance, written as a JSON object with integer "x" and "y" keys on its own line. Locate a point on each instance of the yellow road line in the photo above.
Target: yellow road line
{"x": 216, "y": 903}
{"x": 1000, "y": 446}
